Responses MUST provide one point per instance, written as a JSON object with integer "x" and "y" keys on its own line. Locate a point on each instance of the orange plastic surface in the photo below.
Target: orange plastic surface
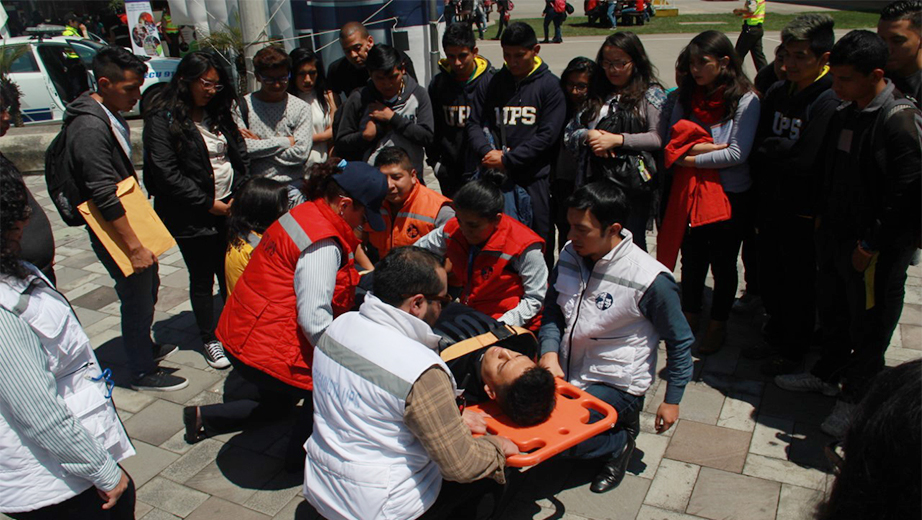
{"x": 566, "y": 427}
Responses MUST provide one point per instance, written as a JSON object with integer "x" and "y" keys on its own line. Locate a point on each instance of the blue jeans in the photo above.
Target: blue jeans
{"x": 611, "y": 442}
{"x": 612, "y": 5}
{"x": 138, "y": 295}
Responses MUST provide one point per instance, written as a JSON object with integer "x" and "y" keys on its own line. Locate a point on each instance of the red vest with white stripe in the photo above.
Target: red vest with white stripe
{"x": 490, "y": 285}
{"x": 415, "y": 220}
{"x": 259, "y": 325}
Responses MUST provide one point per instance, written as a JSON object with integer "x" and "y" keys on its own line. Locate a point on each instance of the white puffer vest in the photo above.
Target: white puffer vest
{"x": 29, "y": 477}
{"x": 362, "y": 461}
{"x": 607, "y": 340}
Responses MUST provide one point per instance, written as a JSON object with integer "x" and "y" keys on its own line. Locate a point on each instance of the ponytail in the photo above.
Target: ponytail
{"x": 483, "y": 196}
{"x": 321, "y": 182}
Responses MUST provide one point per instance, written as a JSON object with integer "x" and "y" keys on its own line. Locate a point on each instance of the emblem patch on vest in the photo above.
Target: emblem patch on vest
{"x": 604, "y": 301}
{"x": 486, "y": 272}
{"x": 412, "y": 231}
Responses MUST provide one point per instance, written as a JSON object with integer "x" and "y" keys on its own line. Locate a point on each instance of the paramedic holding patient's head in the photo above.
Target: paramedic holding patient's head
{"x": 387, "y": 430}
{"x": 608, "y": 306}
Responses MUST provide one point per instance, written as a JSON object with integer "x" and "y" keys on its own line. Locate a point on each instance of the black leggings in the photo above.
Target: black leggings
{"x": 716, "y": 246}
{"x": 83, "y": 506}
{"x": 204, "y": 258}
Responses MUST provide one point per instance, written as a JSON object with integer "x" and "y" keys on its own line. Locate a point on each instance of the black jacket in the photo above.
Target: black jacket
{"x": 451, "y": 107}
{"x": 343, "y": 77}
{"x": 872, "y": 168}
{"x": 532, "y": 113}
{"x": 183, "y": 185}
{"x": 792, "y": 128}
{"x": 97, "y": 161}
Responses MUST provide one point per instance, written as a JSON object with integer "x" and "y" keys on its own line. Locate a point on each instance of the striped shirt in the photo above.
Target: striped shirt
{"x": 315, "y": 283}
{"x": 33, "y": 407}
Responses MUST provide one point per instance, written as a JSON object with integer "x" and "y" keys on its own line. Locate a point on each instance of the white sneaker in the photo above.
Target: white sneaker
{"x": 214, "y": 355}
{"x": 805, "y": 382}
{"x": 836, "y": 425}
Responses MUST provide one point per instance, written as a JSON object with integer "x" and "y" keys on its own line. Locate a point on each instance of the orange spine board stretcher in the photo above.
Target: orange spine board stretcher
{"x": 566, "y": 427}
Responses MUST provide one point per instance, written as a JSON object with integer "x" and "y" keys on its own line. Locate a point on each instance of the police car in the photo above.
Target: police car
{"x": 56, "y": 69}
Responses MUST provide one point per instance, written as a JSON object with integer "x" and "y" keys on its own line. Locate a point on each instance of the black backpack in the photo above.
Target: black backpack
{"x": 62, "y": 188}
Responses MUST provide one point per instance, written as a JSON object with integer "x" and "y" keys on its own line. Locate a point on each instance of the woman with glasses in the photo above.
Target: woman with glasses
{"x": 497, "y": 261}
{"x": 194, "y": 160}
{"x": 279, "y": 131}
{"x": 308, "y": 83}
{"x": 618, "y": 129}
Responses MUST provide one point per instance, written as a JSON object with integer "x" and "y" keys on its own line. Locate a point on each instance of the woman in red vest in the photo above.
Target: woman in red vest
{"x": 300, "y": 276}
{"x": 497, "y": 261}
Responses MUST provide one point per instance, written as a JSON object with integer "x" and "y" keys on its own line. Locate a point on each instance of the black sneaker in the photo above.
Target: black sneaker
{"x": 160, "y": 380}
{"x": 162, "y": 350}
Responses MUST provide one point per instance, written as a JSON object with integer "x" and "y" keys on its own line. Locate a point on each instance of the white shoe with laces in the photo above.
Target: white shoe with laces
{"x": 214, "y": 354}
{"x": 806, "y": 382}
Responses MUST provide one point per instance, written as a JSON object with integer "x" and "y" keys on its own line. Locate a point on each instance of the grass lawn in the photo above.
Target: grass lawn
{"x": 695, "y": 23}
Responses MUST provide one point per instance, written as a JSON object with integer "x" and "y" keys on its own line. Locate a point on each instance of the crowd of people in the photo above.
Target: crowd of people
{"x": 349, "y": 284}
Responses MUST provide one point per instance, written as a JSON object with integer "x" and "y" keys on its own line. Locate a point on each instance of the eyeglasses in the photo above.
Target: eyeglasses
{"x": 276, "y": 79}
{"x": 211, "y": 85}
{"x": 615, "y": 65}
{"x": 578, "y": 87}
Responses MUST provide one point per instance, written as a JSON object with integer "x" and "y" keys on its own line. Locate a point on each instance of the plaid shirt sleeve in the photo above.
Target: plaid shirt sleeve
{"x": 432, "y": 415}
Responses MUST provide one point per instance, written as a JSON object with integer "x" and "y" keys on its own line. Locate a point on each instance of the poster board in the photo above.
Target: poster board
{"x": 145, "y": 37}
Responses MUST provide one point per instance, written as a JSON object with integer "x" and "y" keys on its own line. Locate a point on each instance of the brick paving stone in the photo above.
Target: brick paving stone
{"x": 171, "y": 497}
{"x": 898, "y": 356}
{"x": 700, "y": 403}
{"x": 708, "y": 445}
{"x": 772, "y": 437}
{"x": 911, "y": 336}
{"x": 784, "y": 471}
{"x": 199, "y": 380}
{"x": 807, "y": 447}
{"x": 801, "y": 406}
{"x": 648, "y": 454}
{"x": 158, "y": 514}
{"x": 739, "y": 411}
{"x": 131, "y": 400}
{"x": 277, "y": 493}
{"x": 141, "y": 508}
{"x": 217, "y": 509}
{"x": 297, "y": 509}
{"x": 912, "y": 314}
{"x": 155, "y": 423}
{"x": 147, "y": 463}
{"x": 673, "y": 485}
{"x": 621, "y": 503}
{"x": 88, "y": 317}
{"x": 81, "y": 289}
{"x": 69, "y": 277}
{"x": 177, "y": 443}
{"x": 236, "y": 474}
{"x": 648, "y": 424}
{"x": 720, "y": 495}
{"x": 655, "y": 513}
{"x": 197, "y": 458}
{"x": 545, "y": 480}
{"x": 797, "y": 503}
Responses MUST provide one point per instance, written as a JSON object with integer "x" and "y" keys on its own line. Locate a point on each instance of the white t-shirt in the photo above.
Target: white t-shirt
{"x": 216, "y": 144}
{"x": 320, "y": 120}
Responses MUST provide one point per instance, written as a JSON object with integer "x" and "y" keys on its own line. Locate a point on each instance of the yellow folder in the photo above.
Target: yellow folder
{"x": 142, "y": 218}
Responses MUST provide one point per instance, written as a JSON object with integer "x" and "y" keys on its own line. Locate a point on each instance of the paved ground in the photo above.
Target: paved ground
{"x": 742, "y": 449}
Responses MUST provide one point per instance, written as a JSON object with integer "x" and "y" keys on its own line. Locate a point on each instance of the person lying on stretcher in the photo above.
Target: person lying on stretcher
{"x": 490, "y": 360}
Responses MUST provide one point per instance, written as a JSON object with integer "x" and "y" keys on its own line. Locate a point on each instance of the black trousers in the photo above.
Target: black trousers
{"x": 750, "y": 257}
{"x": 715, "y": 246}
{"x": 540, "y": 193}
{"x": 788, "y": 282}
{"x": 502, "y": 23}
{"x": 750, "y": 40}
{"x": 460, "y": 501}
{"x": 856, "y": 337}
{"x": 273, "y": 400}
{"x": 204, "y": 258}
{"x": 84, "y": 506}
{"x": 636, "y": 222}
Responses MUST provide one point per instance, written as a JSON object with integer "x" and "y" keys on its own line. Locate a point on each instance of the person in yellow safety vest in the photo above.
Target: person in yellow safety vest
{"x": 75, "y": 29}
{"x": 750, "y": 39}
{"x": 75, "y": 70}
{"x": 170, "y": 32}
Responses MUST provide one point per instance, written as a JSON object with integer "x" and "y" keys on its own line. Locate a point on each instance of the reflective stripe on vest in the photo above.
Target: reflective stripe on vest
{"x": 417, "y": 216}
{"x": 295, "y": 231}
{"x": 362, "y": 367}
{"x": 253, "y": 239}
{"x": 758, "y": 16}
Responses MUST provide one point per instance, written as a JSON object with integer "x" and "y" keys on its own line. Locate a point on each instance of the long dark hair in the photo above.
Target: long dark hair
{"x": 258, "y": 203}
{"x": 14, "y": 208}
{"x": 643, "y": 73}
{"x": 732, "y": 78}
{"x": 299, "y": 57}
{"x": 483, "y": 196}
{"x": 176, "y": 97}
{"x": 321, "y": 182}
{"x": 579, "y": 65}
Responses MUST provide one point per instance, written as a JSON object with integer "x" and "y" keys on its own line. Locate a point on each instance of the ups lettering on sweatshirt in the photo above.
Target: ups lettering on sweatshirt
{"x": 517, "y": 115}
{"x": 782, "y": 125}
{"x": 456, "y": 115}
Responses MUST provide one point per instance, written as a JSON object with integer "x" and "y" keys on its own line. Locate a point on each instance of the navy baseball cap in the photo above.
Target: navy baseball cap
{"x": 366, "y": 185}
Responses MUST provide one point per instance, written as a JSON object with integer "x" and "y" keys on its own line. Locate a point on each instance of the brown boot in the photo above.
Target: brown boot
{"x": 694, "y": 320}
{"x": 714, "y": 337}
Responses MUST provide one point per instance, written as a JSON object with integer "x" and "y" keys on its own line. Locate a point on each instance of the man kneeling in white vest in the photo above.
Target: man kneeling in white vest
{"x": 608, "y": 306}
{"x": 387, "y": 430}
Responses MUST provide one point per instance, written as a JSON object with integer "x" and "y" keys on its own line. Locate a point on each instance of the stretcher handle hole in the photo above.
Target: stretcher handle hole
{"x": 564, "y": 431}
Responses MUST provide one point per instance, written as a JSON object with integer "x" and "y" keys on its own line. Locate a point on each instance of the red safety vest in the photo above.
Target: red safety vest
{"x": 259, "y": 325}
{"x": 414, "y": 220}
{"x": 490, "y": 285}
